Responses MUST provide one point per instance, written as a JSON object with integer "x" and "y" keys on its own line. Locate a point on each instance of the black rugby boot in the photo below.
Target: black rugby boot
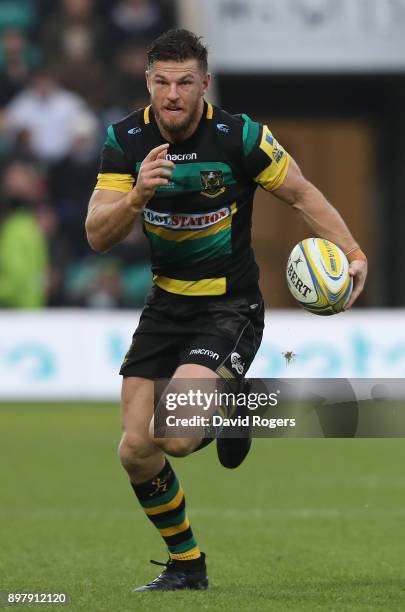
{"x": 179, "y": 575}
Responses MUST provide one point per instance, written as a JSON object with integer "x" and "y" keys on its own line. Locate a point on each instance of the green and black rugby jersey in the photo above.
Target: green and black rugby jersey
{"x": 199, "y": 225}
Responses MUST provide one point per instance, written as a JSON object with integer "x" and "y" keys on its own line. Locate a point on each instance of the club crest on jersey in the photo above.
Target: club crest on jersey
{"x": 212, "y": 182}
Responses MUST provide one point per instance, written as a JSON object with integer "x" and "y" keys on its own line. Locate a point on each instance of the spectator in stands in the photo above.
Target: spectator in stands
{"x": 77, "y": 67}
{"x": 59, "y": 249}
{"x": 106, "y": 291}
{"x": 17, "y": 59}
{"x": 128, "y": 89}
{"x": 73, "y": 15}
{"x": 71, "y": 180}
{"x": 23, "y": 247}
{"x": 20, "y": 14}
{"x": 134, "y": 19}
{"x": 46, "y": 113}
{"x": 50, "y": 119}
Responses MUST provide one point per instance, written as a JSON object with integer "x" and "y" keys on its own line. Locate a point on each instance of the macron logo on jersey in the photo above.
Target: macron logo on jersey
{"x": 269, "y": 139}
{"x": 181, "y": 156}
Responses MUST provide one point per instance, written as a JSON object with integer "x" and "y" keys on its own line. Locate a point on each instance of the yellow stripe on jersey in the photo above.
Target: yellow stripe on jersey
{"x": 206, "y": 286}
{"x": 210, "y": 111}
{"x": 273, "y": 176}
{"x": 115, "y": 182}
{"x": 181, "y": 235}
{"x": 146, "y": 115}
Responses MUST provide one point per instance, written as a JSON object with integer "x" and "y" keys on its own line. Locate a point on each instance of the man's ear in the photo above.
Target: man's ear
{"x": 147, "y": 76}
{"x": 206, "y": 82}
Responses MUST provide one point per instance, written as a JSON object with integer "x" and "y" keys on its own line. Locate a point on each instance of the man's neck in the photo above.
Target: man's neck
{"x": 182, "y": 136}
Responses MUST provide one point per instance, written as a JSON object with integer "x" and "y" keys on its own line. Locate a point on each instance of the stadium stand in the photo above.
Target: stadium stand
{"x": 61, "y": 85}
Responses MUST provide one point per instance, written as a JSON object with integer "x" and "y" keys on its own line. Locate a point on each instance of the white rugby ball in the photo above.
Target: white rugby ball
{"x": 318, "y": 276}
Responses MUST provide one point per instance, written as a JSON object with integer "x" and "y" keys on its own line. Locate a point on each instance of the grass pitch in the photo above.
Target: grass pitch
{"x": 302, "y": 525}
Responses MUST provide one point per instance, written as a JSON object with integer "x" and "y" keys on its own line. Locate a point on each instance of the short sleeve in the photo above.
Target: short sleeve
{"x": 266, "y": 161}
{"x": 115, "y": 171}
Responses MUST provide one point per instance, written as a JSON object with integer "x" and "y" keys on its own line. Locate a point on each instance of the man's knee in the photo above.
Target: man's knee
{"x": 177, "y": 447}
{"x": 135, "y": 452}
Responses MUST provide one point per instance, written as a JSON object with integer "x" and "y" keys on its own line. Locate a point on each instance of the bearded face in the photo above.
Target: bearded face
{"x": 177, "y": 90}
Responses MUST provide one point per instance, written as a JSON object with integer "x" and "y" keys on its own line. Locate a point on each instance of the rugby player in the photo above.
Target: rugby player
{"x": 190, "y": 170}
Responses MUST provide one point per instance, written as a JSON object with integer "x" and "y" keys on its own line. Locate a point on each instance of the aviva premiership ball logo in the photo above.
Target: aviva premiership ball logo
{"x": 212, "y": 182}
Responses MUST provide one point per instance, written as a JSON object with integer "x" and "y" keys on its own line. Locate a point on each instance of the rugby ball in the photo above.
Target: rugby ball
{"x": 318, "y": 276}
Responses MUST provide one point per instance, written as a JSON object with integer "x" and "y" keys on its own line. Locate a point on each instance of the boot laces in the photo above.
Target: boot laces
{"x": 167, "y": 564}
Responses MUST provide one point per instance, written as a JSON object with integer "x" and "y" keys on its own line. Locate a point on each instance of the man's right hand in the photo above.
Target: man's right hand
{"x": 155, "y": 170}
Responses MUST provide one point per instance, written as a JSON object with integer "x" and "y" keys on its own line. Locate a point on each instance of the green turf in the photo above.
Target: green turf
{"x": 303, "y": 525}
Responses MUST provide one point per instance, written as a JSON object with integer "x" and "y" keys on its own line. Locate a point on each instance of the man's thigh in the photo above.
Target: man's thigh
{"x": 137, "y": 399}
{"x": 137, "y": 408}
{"x": 139, "y": 454}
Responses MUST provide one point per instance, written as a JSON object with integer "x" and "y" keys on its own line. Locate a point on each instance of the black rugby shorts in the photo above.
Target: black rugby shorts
{"x": 222, "y": 333}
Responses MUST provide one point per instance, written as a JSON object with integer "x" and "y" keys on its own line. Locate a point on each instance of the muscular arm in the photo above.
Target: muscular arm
{"x": 111, "y": 214}
{"x": 110, "y": 218}
{"x": 324, "y": 220}
{"x": 314, "y": 209}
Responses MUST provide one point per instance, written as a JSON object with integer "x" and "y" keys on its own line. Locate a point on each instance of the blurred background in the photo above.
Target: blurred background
{"x": 68, "y": 68}
{"x": 329, "y": 79}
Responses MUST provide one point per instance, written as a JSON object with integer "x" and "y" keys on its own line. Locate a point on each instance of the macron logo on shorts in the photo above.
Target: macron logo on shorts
{"x": 206, "y": 352}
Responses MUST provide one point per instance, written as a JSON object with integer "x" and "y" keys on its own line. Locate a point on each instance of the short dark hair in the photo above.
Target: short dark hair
{"x": 178, "y": 45}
